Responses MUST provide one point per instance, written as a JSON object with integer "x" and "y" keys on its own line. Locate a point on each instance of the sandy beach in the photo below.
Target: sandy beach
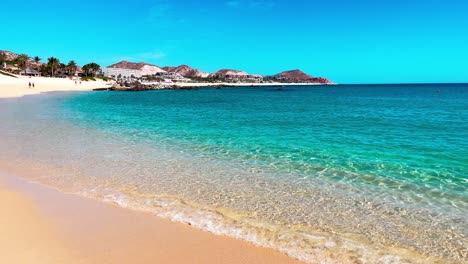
{"x": 17, "y": 87}
{"x": 43, "y": 225}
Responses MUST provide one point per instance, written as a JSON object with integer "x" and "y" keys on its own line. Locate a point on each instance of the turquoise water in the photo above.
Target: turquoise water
{"x": 362, "y": 173}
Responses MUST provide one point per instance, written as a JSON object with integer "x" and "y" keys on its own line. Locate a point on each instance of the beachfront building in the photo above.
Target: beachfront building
{"x": 30, "y": 72}
{"x": 121, "y": 73}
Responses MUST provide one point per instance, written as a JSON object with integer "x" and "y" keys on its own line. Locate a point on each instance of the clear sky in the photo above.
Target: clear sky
{"x": 348, "y": 41}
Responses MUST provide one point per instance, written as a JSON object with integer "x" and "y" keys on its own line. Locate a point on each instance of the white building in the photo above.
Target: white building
{"x": 123, "y": 73}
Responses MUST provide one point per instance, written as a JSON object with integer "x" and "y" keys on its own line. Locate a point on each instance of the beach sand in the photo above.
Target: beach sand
{"x": 17, "y": 87}
{"x": 42, "y": 225}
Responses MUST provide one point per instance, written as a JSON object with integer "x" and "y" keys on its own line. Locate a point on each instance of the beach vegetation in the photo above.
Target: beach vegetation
{"x": 53, "y": 64}
{"x": 71, "y": 68}
{"x": 88, "y": 78}
{"x": 37, "y": 59}
{"x": 62, "y": 70}
{"x": 91, "y": 69}
{"x": 104, "y": 78}
{"x": 22, "y": 61}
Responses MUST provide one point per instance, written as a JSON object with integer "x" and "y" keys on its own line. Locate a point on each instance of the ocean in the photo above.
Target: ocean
{"x": 342, "y": 173}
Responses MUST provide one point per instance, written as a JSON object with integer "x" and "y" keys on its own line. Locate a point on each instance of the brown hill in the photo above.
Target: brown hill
{"x": 148, "y": 69}
{"x": 10, "y": 55}
{"x": 186, "y": 71}
{"x": 299, "y": 76}
{"x": 294, "y": 75}
{"x": 228, "y": 73}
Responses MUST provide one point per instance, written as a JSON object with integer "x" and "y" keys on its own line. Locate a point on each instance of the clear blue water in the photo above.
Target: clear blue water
{"x": 383, "y": 165}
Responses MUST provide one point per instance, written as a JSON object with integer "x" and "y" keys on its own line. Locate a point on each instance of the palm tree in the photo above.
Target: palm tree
{"x": 37, "y": 59}
{"x": 3, "y": 59}
{"x": 22, "y": 62}
{"x": 63, "y": 68}
{"x": 96, "y": 68}
{"x": 71, "y": 67}
{"x": 91, "y": 68}
{"x": 53, "y": 64}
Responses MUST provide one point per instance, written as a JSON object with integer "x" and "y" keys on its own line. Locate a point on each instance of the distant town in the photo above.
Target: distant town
{"x": 129, "y": 74}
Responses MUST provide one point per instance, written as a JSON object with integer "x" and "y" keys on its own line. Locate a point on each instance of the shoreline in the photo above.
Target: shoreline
{"x": 75, "y": 229}
{"x": 13, "y": 87}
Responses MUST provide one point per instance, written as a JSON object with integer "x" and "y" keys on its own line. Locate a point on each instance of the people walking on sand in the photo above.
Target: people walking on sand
{"x": 29, "y": 84}
{"x": 33, "y": 84}
{"x": 75, "y": 82}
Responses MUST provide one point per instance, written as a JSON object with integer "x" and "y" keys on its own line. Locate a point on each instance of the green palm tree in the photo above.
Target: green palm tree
{"x": 53, "y": 64}
{"x": 91, "y": 68}
{"x": 63, "y": 68}
{"x": 71, "y": 67}
{"x": 22, "y": 62}
{"x": 37, "y": 59}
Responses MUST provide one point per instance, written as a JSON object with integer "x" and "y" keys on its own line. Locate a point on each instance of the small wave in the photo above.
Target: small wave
{"x": 310, "y": 247}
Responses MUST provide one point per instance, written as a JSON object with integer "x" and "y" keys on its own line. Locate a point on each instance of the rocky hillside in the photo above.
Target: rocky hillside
{"x": 186, "y": 71}
{"x": 148, "y": 69}
{"x": 298, "y": 76}
{"x": 10, "y": 55}
{"x": 228, "y": 73}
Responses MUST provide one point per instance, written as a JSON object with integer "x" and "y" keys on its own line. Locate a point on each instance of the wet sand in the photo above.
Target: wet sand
{"x": 42, "y": 225}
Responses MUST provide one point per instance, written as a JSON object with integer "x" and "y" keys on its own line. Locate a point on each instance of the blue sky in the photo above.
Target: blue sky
{"x": 355, "y": 41}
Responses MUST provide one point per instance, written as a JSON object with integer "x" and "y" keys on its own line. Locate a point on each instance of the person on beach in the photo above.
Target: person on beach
{"x": 29, "y": 84}
{"x": 75, "y": 82}
{"x": 33, "y": 84}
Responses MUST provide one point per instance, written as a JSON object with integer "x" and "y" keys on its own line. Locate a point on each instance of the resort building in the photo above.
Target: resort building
{"x": 122, "y": 73}
{"x": 30, "y": 72}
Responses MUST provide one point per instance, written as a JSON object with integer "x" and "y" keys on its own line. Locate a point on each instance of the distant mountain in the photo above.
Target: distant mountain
{"x": 13, "y": 56}
{"x": 228, "y": 73}
{"x": 146, "y": 68}
{"x": 298, "y": 76}
{"x": 186, "y": 71}
{"x": 10, "y": 55}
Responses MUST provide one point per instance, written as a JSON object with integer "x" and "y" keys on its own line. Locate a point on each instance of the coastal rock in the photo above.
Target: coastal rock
{"x": 186, "y": 71}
